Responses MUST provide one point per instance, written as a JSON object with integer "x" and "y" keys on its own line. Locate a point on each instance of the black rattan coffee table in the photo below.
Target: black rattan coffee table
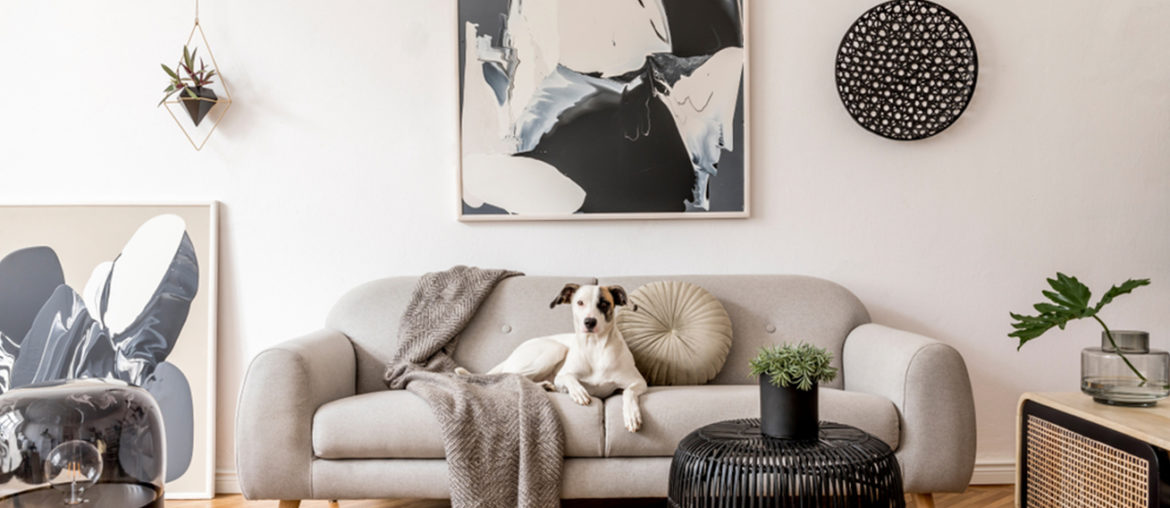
{"x": 730, "y": 464}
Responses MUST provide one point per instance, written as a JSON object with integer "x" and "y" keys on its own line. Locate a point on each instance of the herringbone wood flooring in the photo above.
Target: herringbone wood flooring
{"x": 997, "y": 496}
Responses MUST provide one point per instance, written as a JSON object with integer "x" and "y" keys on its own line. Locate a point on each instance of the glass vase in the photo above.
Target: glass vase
{"x": 1109, "y": 379}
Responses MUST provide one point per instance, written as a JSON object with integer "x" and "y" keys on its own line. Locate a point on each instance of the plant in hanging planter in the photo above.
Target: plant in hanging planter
{"x": 789, "y": 375}
{"x": 1124, "y": 370}
{"x": 191, "y": 84}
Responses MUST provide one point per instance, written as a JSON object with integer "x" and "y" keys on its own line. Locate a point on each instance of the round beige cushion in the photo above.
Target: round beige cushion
{"x": 680, "y": 334}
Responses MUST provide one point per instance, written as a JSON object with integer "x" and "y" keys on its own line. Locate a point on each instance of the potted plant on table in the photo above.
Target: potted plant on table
{"x": 789, "y": 375}
{"x": 192, "y": 85}
{"x": 1124, "y": 370}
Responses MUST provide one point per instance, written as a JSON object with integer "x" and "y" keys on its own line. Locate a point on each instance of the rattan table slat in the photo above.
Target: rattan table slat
{"x": 731, "y": 464}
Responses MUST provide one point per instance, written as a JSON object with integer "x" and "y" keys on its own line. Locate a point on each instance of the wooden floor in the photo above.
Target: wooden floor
{"x": 998, "y": 496}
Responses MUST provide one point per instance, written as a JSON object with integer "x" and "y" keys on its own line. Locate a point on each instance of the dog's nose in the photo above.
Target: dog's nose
{"x": 590, "y": 322}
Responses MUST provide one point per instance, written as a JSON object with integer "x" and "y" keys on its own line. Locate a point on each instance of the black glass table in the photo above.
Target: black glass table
{"x": 731, "y": 464}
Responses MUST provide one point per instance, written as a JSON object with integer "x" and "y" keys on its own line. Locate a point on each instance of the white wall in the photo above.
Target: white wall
{"x": 337, "y": 165}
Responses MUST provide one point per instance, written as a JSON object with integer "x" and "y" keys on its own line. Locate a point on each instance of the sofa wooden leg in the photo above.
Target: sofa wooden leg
{"x": 334, "y": 504}
{"x": 290, "y": 504}
{"x": 924, "y": 500}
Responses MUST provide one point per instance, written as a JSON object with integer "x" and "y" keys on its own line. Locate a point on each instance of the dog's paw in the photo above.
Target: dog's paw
{"x": 580, "y": 396}
{"x": 633, "y": 417}
{"x": 548, "y": 386}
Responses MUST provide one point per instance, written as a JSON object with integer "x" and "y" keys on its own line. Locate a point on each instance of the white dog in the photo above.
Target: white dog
{"x": 592, "y": 361}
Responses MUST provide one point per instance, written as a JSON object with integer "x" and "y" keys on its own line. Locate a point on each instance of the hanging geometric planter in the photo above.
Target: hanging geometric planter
{"x": 190, "y": 99}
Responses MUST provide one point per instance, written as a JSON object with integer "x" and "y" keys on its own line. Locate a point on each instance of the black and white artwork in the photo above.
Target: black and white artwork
{"x": 121, "y": 322}
{"x": 602, "y": 109}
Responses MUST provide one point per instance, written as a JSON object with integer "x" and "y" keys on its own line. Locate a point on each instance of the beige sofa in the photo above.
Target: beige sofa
{"x": 315, "y": 420}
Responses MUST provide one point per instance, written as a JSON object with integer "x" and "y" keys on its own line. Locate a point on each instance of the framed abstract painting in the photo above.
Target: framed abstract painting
{"x": 120, "y": 292}
{"x": 606, "y": 109}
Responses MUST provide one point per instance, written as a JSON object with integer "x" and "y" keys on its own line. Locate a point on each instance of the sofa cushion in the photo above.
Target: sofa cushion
{"x": 678, "y": 333}
{"x": 397, "y": 424}
{"x": 669, "y": 413}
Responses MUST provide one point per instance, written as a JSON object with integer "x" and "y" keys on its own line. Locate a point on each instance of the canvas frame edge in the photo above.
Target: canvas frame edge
{"x": 747, "y": 153}
{"x": 208, "y": 490}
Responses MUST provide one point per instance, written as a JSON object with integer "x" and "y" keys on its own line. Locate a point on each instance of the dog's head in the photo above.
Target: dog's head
{"x": 593, "y": 306}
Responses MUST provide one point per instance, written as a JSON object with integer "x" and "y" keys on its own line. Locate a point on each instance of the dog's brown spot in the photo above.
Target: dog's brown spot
{"x": 610, "y": 297}
{"x": 605, "y": 303}
{"x": 566, "y": 295}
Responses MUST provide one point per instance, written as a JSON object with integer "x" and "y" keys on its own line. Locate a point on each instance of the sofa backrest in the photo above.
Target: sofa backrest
{"x": 517, "y": 310}
{"x": 764, "y": 310}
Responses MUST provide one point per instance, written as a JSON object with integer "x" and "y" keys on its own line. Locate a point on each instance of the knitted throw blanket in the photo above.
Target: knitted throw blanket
{"x": 502, "y": 436}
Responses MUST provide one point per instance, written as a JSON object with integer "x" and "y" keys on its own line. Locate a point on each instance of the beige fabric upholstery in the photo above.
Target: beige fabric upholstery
{"x": 669, "y": 413}
{"x": 369, "y": 315}
{"x": 380, "y": 478}
{"x": 427, "y": 478}
{"x": 928, "y": 383}
{"x": 616, "y": 478}
{"x": 773, "y": 309}
{"x": 283, "y": 388}
{"x": 678, "y": 332}
{"x": 517, "y": 310}
{"x": 399, "y": 424}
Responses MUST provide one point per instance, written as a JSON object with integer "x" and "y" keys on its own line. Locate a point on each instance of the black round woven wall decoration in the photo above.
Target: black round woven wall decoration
{"x": 906, "y": 69}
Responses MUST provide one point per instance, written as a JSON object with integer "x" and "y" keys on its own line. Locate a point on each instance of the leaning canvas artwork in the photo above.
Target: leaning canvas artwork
{"x": 116, "y": 292}
{"x": 602, "y": 109}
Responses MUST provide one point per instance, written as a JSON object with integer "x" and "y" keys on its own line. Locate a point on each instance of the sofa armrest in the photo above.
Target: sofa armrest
{"x": 928, "y": 383}
{"x": 284, "y": 386}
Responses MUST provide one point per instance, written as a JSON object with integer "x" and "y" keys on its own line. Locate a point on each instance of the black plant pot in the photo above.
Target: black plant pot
{"x": 198, "y": 108}
{"x": 787, "y": 413}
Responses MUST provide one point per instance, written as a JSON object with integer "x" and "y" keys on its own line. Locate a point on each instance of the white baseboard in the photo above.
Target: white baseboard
{"x": 986, "y": 473}
{"x": 226, "y": 482}
{"x": 994, "y": 473}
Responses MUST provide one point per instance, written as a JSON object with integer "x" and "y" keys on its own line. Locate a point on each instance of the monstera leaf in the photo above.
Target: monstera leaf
{"x": 28, "y": 278}
{"x": 1068, "y": 300}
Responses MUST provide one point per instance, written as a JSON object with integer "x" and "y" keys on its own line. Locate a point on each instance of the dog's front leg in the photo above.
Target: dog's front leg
{"x": 569, "y": 384}
{"x": 631, "y": 409}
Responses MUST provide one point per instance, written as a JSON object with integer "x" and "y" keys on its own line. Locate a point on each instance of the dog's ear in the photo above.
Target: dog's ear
{"x": 619, "y": 295}
{"x": 566, "y": 295}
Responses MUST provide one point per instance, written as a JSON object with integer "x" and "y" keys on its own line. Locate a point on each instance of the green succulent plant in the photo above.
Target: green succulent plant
{"x": 801, "y": 365}
{"x": 1069, "y": 300}
{"x": 195, "y": 78}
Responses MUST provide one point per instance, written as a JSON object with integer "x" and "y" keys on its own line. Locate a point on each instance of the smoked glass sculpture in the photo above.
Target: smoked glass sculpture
{"x": 88, "y": 442}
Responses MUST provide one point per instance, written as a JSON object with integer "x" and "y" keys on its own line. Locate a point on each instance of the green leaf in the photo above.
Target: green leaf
{"x": 165, "y": 97}
{"x": 1116, "y": 291}
{"x": 191, "y": 92}
{"x": 800, "y": 365}
{"x": 1047, "y": 308}
{"x": 169, "y": 71}
{"x": 1070, "y": 300}
{"x": 1073, "y": 294}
